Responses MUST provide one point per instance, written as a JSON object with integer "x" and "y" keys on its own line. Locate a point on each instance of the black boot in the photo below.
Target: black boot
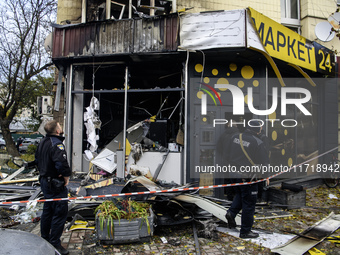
{"x": 231, "y": 220}
{"x": 250, "y": 234}
{"x": 61, "y": 249}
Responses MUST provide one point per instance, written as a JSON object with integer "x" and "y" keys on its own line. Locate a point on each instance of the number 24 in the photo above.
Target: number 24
{"x": 325, "y": 62}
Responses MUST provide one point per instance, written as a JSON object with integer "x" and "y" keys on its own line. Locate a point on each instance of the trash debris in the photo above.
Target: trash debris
{"x": 331, "y": 196}
{"x": 209, "y": 229}
{"x": 315, "y": 251}
{"x": 79, "y": 224}
{"x": 28, "y": 214}
{"x": 334, "y": 239}
{"x": 163, "y": 239}
{"x": 106, "y": 160}
{"x": 266, "y": 240}
{"x": 320, "y": 231}
{"x": 76, "y": 217}
{"x": 19, "y": 171}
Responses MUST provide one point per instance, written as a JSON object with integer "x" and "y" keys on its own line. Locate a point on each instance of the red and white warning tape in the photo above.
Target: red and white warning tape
{"x": 167, "y": 190}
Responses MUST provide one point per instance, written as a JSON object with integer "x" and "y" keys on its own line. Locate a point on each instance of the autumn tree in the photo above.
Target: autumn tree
{"x": 24, "y": 25}
{"x": 42, "y": 85}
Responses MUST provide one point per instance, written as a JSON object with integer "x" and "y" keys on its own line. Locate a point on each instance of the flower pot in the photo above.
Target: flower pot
{"x": 125, "y": 231}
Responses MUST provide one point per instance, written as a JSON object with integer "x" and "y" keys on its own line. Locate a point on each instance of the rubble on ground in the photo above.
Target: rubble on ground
{"x": 185, "y": 221}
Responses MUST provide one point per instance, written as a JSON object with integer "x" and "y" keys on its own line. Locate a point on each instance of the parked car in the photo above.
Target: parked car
{"x": 2, "y": 143}
{"x": 27, "y": 142}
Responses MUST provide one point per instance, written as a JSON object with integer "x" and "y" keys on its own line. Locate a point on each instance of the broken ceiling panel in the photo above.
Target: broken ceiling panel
{"x": 312, "y": 236}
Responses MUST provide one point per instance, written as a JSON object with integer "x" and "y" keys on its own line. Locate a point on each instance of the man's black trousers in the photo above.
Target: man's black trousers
{"x": 54, "y": 214}
{"x": 245, "y": 199}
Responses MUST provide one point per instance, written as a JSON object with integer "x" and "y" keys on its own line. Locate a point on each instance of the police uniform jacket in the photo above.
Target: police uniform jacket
{"x": 252, "y": 144}
{"x": 51, "y": 157}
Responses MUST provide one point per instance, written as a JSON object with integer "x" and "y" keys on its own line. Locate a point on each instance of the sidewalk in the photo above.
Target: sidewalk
{"x": 71, "y": 240}
{"x": 84, "y": 242}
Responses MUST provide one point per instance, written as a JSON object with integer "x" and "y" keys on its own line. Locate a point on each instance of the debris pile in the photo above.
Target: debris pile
{"x": 97, "y": 187}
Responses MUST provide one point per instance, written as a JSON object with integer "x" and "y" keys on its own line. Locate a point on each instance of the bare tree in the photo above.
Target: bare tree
{"x": 24, "y": 25}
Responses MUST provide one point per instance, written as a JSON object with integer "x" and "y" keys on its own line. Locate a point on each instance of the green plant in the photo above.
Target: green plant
{"x": 28, "y": 157}
{"x": 121, "y": 209}
{"x": 31, "y": 149}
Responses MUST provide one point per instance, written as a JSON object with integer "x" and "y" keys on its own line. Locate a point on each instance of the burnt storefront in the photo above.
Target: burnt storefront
{"x": 178, "y": 80}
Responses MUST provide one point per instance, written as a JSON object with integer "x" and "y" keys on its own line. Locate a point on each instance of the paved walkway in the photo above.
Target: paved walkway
{"x": 71, "y": 240}
{"x": 83, "y": 242}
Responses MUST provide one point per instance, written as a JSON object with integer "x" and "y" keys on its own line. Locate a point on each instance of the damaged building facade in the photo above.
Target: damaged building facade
{"x": 171, "y": 81}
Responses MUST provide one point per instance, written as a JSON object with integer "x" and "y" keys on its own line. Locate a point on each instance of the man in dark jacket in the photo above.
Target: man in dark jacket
{"x": 54, "y": 172}
{"x": 221, "y": 158}
{"x": 19, "y": 141}
{"x": 253, "y": 152}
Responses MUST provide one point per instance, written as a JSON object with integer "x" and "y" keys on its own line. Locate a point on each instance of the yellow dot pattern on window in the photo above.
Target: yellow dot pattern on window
{"x": 228, "y": 74}
{"x": 214, "y": 72}
{"x": 283, "y": 152}
{"x": 290, "y": 162}
{"x": 199, "y": 94}
{"x": 206, "y": 80}
{"x": 256, "y": 83}
{"x": 246, "y": 99}
{"x": 204, "y": 119}
{"x": 272, "y": 116}
{"x": 198, "y": 68}
{"x": 274, "y": 135}
{"x": 247, "y": 72}
{"x": 233, "y": 67}
{"x": 222, "y": 81}
{"x": 219, "y": 94}
{"x": 286, "y": 132}
{"x": 240, "y": 84}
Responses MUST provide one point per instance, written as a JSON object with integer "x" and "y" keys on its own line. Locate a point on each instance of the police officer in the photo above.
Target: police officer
{"x": 54, "y": 176}
{"x": 19, "y": 141}
{"x": 253, "y": 152}
{"x": 221, "y": 159}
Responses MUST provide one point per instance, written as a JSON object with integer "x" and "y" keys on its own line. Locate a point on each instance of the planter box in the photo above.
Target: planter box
{"x": 126, "y": 231}
{"x": 288, "y": 199}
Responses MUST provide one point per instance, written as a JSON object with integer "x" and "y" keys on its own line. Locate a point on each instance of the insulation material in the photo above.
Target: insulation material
{"x": 92, "y": 122}
{"x": 137, "y": 170}
{"x": 268, "y": 240}
{"x": 150, "y": 185}
{"x": 106, "y": 160}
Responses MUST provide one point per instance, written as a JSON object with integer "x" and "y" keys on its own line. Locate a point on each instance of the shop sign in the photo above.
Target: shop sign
{"x": 282, "y": 43}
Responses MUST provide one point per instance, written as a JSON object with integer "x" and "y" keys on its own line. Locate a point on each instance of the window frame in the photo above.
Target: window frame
{"x": 286, "y": 15}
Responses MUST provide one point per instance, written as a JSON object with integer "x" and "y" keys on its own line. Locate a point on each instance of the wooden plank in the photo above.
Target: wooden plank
{"x": 19, "y": 171}
{"x": 21, "y": 180}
